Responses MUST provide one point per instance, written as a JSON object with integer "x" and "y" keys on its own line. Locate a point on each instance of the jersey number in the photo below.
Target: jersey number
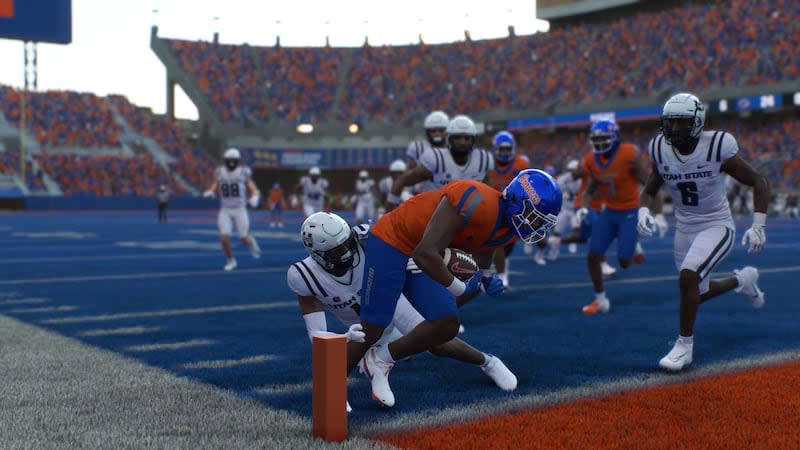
{"x": 229, "y": 190}
{"x": 689, "y": 195}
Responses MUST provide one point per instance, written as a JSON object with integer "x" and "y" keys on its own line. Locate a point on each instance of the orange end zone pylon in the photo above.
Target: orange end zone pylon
{"x": 329, "y": 388}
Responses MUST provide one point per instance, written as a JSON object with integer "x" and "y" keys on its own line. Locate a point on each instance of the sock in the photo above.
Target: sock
{"x": 255, "y": 244}
{"x": 600, "y": 296}
{"x": 384, "y": 354}
{"x": 739, "y": 282}
{"x": 486, "y": 358}
{"x": 686, "y": 340}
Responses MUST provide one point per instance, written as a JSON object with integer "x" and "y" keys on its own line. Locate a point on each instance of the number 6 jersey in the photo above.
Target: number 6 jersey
{"x": 695, "y": 181}
{"x": 232, "y": 186}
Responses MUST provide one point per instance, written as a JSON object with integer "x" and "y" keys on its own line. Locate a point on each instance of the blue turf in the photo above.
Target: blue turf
{"x": 537, "y": 330}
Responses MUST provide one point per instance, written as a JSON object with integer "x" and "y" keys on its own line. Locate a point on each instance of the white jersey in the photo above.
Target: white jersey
{"x": 385, "y": 185}
{"x": 364, "y": 190}
{"x": 340, "y": 295}
{"x": 444, "y": 169}
{"x": 232, "y": 186}
{"x": 570, "y": 186}
{"x": 695, "y": 181}
{"x": 314, "y": 193}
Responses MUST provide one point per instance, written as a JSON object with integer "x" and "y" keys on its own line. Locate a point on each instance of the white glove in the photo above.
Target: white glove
{"x": 581, "y": 214}
{"x": 661, "y": 225}
{"x": 254, "y": 200}
{"x": 647, "y": 223}
{"x": 754, "y": 237}
{"x": 208, "y": 194}
{"x": 355, "y": 333}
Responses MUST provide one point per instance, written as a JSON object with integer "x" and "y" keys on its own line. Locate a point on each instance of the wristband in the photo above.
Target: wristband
{"x": 457, "y": 287}
{"x": 759, "y": 219}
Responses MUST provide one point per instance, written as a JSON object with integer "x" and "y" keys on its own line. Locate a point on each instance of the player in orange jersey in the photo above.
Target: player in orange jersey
{"x": 615, "y": 172}
{"x": 464, "y": 214}
{"x": 276, "y": 204}
{"x": 507, "y": 164}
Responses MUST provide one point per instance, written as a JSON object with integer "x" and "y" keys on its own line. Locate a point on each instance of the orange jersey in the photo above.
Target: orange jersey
{"x": 476, "y": 202}
{"x": 598, "y": 203}
{"x": 500, "y": 176}
{"x": 617, "y": 186}
{"x": 276, "y": 196}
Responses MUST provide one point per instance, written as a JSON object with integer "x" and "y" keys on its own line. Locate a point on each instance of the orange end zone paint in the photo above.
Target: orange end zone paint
{"x": 329, "y": 388}
{"x": 7, "y": 8}
{"x": 753, "y": 409}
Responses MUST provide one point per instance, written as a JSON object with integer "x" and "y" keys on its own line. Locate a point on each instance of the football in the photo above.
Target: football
{"x": 460, "y": 263}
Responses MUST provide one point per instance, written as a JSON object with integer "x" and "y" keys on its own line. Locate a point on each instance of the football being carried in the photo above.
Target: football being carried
{"x": 460, "y": 263}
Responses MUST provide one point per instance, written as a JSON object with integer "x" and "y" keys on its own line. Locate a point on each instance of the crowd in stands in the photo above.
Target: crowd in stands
{"x": 10, "y": 165}
{"x": 696, "y": 45}
{"x": 102, "y": 175}
{"x": 62, "y": 118}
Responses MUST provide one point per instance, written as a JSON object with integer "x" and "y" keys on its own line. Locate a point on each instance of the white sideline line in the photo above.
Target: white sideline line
{"x": 225, "y": 363}
{"x": 25, "y": 301}
{"x": 119, "y": 331}
{"x": 170, "y": 345}
{"x": 169, "y": 313}
{"x": 139, "y": 276}
{"x": 104, "y": 257}
{"x": 46, "y": 309}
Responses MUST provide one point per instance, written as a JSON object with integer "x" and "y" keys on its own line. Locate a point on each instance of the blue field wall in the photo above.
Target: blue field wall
{"x": 77, "y": 202}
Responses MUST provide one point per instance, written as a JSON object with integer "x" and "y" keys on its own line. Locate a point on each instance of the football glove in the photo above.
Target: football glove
{"x": 473, "y": 284}
{"x": 492, "y": 285}
{"x": 647, "y": 223}
{"x": 355, "y": 333}
{"x": 755, "y": 238}
{"x": 208, "y": 194}
{"x": 582, "y": 214}
{"x": 253, "y": 201}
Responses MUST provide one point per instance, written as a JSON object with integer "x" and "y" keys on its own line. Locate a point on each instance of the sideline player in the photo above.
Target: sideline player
{"x": 276, "y": 205}
{"x": 692, "y": 163}
{"x": 465, "y": 214}
{"x": 507, "y": 165}
{"x": 365, "y": 198}
{"x": 233, "y": 181}
{"x": 330, "y": 279}
{"x": 314, "y": 189}
{"x": 435, "y": 126}
{"x": 396, "y": 168}
{"x": 615, "y": 170}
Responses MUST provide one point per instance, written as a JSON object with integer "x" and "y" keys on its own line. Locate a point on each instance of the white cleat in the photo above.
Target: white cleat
{"x": 539, "y": 259}
{"x": 231, "y": 265}
{"x": 607, "y": 269}
{"x": 748, "y": 276}
{"x": 499, "y": 373}
{"x": 573, "y": 248}
{"x": 597, "y": 306}
{"x": 461, "y": 329}
{"x": 678, "y": 358}
{"x": 377, "y": 370}
{"x": 349, "y": 409}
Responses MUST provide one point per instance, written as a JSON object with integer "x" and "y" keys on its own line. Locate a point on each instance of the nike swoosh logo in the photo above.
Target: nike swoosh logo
{"x": 703, "y": 166}
{"x": 678, "y": 357}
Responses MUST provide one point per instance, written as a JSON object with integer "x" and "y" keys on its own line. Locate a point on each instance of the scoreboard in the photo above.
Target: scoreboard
{"x": 36, "y": 20}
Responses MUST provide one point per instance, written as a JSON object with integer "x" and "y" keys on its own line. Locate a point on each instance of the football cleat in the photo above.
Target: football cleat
{"x": 538, "y": 258}
{"x": 499, "y": 373}
{"x": 231, "y": 265}
{"x": 377, "y": 370}
{"x": 597, "y": 306}
{"x": 678, "y": 358}
{"x": 748, "y": 276}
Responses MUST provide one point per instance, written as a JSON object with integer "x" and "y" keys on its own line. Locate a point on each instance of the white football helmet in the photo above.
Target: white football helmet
{"x": 397, "y": 165}
{"x": 682, "y": 119}
{"x": 314, "y": 171}
{"x": 231, "y": 158}
{"x": 461, "y": 125}
{"x": 331, "y": 242}
{"x": 435, "y": 121}
{"x": 573, "y": 164}
{"x": 363, "y": 174}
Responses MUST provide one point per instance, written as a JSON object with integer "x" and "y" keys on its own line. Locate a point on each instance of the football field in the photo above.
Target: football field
{"x": 117, "y": 331}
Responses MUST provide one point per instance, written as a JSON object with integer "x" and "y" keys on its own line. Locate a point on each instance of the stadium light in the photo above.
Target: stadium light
{"x": 354, "y": 128}
{"x": 305, "y": 128}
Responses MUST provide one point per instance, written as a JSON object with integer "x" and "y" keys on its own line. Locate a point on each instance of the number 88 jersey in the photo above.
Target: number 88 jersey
{"x": 696, "y": 181}
{"x": 232, "y": 186}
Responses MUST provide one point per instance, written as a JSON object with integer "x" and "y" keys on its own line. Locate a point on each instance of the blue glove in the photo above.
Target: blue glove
{"x": 473, "y": 284}
{"x": 492, "y": 285}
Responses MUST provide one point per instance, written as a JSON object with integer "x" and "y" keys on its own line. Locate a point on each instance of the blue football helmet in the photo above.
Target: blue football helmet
{"x": 604, "y": 136}
{"x": 532, "y": 204}
{"x": 504, "y": 146}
